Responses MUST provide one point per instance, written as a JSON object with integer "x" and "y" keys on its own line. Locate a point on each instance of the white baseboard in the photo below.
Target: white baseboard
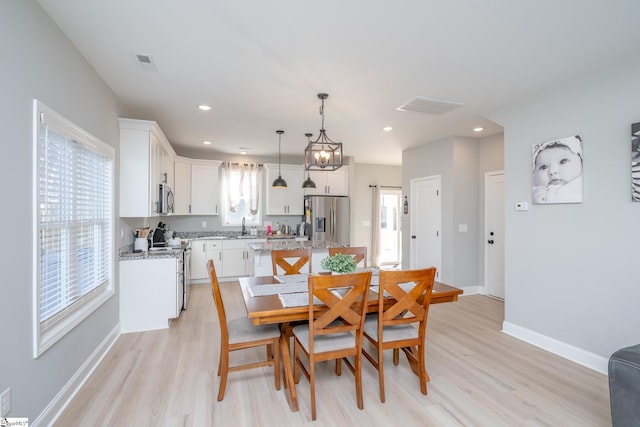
{"x": 68, "y": 392}
{"x": 472, "y": 290}
{"x": 575, "y": 354}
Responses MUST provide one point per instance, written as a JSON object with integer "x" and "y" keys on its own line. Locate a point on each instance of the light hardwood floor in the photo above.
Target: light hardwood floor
{"x": 479, "y": 377}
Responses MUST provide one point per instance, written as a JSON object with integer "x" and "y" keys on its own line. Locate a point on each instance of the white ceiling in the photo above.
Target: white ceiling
{"x": 261, "y": 64}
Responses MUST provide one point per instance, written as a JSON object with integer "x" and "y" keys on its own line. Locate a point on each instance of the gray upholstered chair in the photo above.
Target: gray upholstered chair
{"x": 624, "y": 386}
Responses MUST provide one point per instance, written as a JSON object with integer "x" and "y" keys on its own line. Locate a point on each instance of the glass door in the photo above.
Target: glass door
{"x": 390, "y": 231}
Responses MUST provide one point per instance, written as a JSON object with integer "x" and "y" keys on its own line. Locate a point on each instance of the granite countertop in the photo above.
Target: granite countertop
{"x": 222, "y": 235}
{"x": 292, "y": 244}
{"x": 127, "y": 253}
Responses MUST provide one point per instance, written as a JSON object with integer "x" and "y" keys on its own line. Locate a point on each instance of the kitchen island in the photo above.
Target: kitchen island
{"x": 261, "y": 254}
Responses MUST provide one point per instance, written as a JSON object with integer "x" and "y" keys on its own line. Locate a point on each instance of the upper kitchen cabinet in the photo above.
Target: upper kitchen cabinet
{"x": 334, "y": 183}
{"x": 285, "y": 201}
{"x": 146, "y": 160}
{"x": 197, "y": 186}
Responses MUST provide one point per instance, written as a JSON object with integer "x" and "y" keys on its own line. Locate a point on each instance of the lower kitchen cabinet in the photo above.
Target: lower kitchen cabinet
{"x": 230, "y": 257}
{"x": 201, "y": 252}
{"x": 150, "y": 293}
{"x": 234, "y": 258}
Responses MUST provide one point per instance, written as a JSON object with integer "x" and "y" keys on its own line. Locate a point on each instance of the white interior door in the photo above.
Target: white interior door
{"x": 494, "y": 233}
{"x": 425, "y": 223}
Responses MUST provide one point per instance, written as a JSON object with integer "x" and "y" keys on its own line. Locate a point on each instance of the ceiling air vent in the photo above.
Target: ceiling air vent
{"x": 145, "y": 62}
{"x": 420, "y": 104}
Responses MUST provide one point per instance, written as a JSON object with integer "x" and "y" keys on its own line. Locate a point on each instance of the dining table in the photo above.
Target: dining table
{"x": 285, "y": 299}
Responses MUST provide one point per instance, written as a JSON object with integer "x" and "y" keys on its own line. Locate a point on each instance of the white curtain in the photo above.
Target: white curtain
{"x": 375, "y": 227}
{"x": 253, "y": 177}
{"x": 243, "y": 181}
{"x": 233, "y": 175}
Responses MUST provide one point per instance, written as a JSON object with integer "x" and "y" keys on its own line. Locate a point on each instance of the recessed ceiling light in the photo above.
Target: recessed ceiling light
{"x": 387, "y": 128}
{"x": 204, "y": 107}
{"x": 478, "y": 129}
{"x": 244, "y": 153}
{"x": 206, "y": 142}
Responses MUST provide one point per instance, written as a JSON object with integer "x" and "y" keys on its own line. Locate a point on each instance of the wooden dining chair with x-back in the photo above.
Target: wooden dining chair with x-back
{"x": 402, "y": 325}
{"x": 291, "y": 261}
{"x": 359, "y": 253}
{"x": 239, "y": 334}
{"x": 334, "y": 333}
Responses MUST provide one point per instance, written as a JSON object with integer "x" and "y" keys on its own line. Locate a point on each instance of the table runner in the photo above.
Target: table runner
{"x": 278, "y": 288}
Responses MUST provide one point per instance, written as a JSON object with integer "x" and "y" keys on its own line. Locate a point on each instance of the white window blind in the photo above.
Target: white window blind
{"x": 74, "y": 225}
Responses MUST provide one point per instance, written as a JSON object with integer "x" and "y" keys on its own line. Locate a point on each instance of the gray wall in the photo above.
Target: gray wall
{"x": 39, "y": 62}
{"x": 572, "y": 269}
{"x": 461, "y": 163}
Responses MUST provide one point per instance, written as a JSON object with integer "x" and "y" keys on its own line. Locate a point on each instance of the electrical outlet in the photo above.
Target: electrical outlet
{"x": 204, "y": 224}
{"x": 5, "y": 402}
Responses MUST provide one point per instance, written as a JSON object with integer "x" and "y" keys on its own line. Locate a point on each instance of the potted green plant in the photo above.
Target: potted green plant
{"x": 339, "y": 263}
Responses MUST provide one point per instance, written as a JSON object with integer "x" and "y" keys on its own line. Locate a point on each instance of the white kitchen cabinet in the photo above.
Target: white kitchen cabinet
{"x": 205, "y": 188}
{"x": 150, "y": 292}
{"x": 231, "y": 257}
{"x": 234, "y": 258}
{"x": 201, "y": 252}
{"x": 145, "y": 162}
{"x": 238, "y": 257}
{"x": 285, "y": 201}
{"x": 182, "y": 187}
{"x": 197, "y": 186}
{"x": 334, "y": 183}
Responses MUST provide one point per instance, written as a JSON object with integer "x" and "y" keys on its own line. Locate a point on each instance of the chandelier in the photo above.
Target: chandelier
{"x": 323, "y": 154}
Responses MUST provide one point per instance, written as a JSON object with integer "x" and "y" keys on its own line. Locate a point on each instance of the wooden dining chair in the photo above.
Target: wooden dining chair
{"x": 239, "y": 334}
{"x": 403, "y": 324}
{"x": 280, "y": 258}
{"x": 359, "y": 253}
{"x": 334, "y": 333}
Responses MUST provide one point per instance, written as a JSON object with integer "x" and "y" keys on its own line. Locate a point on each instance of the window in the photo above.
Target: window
{"x": 241, "y": 186}
{"x": 73, "y": 220}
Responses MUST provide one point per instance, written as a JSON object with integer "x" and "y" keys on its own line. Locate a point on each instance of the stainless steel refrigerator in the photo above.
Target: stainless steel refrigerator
{"x": 327, "y": 218}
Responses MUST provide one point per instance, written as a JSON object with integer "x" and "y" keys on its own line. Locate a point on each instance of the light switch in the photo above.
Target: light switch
{"x": 204, "y": 224}
{"x": 462, "y": 228}
{"x": 522, "y": 206}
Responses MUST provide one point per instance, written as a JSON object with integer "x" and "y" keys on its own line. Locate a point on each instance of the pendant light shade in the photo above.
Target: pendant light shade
{"x": 308, "y": 183}
{"x": 323, "y": 154}
{"x": 279, "y": 182}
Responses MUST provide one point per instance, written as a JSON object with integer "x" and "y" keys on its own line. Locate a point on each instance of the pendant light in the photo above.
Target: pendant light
{"x": 323, "y": 154}
{"x": 308, "y": 183}
{"x": 279, "y": 182}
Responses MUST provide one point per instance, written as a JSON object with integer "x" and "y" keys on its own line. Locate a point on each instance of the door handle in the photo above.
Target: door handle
{"x": 413, "y": 237}
{"x": 490, "y": 242}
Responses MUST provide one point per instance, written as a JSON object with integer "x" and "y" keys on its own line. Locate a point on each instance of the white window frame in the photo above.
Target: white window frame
{"x": 47, "y": 332}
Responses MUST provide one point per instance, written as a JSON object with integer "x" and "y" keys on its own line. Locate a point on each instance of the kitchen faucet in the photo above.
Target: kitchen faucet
{"x": 244, "y": 229}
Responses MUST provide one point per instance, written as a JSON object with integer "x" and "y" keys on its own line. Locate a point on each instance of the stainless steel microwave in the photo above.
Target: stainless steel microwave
{"x": 165, "y": 199}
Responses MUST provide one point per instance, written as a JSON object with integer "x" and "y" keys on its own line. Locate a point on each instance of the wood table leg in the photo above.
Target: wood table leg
{"x": 285, "y": 353}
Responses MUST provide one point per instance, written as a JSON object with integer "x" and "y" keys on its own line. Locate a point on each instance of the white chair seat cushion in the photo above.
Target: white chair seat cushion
{"x": 390, "y": 333}
{"x": 242, "y": 330}
{"x": 322, "y": 343}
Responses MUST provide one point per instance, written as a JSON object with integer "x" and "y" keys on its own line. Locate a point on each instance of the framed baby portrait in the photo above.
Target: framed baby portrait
{"x": 635, "y": 162}
{"x": 557, "y": 171}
